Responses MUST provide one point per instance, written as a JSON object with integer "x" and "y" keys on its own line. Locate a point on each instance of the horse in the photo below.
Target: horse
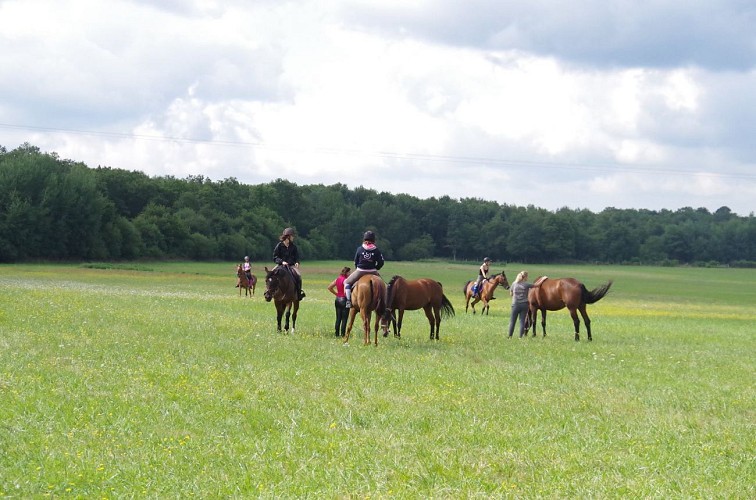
{"x": 555, "y": 294}
{"x": 282, "y": 290}
{"x": 243, "y": 282}
{"x": 410, "y": 295}
{"x": 368, "y": 295}
{"x": 486, "y": 293}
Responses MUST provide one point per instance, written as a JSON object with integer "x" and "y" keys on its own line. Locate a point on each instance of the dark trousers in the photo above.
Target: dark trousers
{"x": 518, "y": 311}
{"x": 342, "y": 315}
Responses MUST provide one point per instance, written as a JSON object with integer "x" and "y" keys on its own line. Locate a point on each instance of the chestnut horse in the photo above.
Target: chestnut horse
{"x": 486, "y": 293}
{"x": 555, "y": 294}
{"x": 247, "y": 284}
{"x": 368, "y": 295}
{"x": 282, "y": 290}
{"x": 410, "y": 295}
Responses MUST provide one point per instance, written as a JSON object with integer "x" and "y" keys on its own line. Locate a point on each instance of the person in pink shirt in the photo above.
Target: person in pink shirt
{"x": 342, "y": 311}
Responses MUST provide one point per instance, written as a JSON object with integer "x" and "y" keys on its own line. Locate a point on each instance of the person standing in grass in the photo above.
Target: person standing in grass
{"x": 519, "y": 293}
{"x": 342, "y": 311}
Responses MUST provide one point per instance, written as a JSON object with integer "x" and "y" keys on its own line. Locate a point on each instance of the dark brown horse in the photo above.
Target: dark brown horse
{"x": 281, "y": 289}
{"x": 368, "y": 295}
{"x": 410, "y": 295}
{"x": 555, "y": 294}
{"x": 486, "y": 293}
{"x": 243, "y": 282}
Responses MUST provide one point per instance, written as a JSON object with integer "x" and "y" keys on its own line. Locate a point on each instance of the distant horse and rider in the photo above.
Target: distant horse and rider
{"x": 281, "y": 288}
{"x": 485, "y": 294}
{"x": 554, "y": 294}
{"x": 368, "y": 296}
{"x": 246, "y": 281}
{"x": 409, "y": 295}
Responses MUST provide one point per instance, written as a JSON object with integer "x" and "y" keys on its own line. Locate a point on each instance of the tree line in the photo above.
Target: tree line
{"x": 56, "y": 209}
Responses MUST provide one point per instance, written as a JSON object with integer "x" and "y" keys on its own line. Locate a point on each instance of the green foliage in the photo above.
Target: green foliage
{"x": 57, "y": 209}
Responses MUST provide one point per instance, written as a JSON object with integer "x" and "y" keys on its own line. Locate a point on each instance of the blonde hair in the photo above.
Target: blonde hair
{"x": 521, "y": 276}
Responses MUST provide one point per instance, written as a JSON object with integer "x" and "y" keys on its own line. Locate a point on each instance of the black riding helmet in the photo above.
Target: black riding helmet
{"x": 369, "y": 236}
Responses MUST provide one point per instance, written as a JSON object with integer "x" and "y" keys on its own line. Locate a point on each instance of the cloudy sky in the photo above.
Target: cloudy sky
{"x": 580, "y": 103}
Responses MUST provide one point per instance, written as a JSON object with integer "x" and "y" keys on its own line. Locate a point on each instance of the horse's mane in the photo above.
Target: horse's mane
{"x": 390, "y": 291}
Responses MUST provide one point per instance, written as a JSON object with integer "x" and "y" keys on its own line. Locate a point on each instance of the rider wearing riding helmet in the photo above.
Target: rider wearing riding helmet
{"x": 482, "y": 275}
{"x": 247, "y": 268}
{"x": 286, "y": 254}
{"x": 368, "y": 259}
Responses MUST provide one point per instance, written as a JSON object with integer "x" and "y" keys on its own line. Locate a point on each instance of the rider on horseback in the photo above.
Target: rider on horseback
{"x": 482, "y": 275}
{"x": 367, "y": 260}
{"x": 247, "y": 268}
{"x": 286, "y": 254}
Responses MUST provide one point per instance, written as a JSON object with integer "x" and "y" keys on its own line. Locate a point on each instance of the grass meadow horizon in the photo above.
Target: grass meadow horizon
{"x": 141, "y": 379}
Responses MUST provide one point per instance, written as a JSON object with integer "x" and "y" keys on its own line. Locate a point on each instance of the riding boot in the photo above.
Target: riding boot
{"x": 348, "y": 292}
{"x": 300, "y": 294}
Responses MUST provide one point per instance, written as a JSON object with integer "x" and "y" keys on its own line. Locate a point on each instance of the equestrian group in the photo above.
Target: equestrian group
{"x": 363, "y": 291}
{"x": 544, "y": 294}
{"x": 360, "y": 291}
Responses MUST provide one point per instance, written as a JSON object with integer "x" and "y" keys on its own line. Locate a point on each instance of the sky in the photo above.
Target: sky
{"x": 583, "y": 104}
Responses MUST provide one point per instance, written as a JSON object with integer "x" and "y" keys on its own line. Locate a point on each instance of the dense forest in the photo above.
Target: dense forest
{"x": 56, "y": 209}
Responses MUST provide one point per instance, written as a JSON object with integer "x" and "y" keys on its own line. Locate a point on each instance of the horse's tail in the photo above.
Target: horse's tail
{"x": 464, "y": 288}
{"x": 447, "y": 309}
{"x": 596, "y": 294}
{"x": 378, "y": 300}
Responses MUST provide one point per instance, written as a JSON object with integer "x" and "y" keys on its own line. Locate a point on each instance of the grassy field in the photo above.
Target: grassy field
{"x": 158, "y": 380}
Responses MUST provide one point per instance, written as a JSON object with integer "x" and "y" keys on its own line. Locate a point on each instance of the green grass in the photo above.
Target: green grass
{"x": 157, "y": 380}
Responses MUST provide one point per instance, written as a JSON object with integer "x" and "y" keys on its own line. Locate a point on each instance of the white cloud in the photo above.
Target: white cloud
{"x": 385, "y": 95}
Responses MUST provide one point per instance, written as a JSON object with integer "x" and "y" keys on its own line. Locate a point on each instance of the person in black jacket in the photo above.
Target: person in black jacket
{"x": 286, "y": 254}
{"x": 368, "y": 259}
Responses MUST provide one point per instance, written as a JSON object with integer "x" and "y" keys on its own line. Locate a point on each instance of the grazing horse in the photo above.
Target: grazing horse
{"x": 243, "y": 282}
{"x": 486, "y": 293}
{"x": 281, "y": 288}
{"x": 368, "y": 295}
{"x": 555, "y": 294}
{"x": 410, "y": 295}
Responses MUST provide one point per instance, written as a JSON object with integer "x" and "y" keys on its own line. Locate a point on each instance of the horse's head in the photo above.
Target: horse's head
{"x": 386, "y": 318}
{"x": 238, "y": 270}
{"x": 502, "y": 280}
{"x": 272, "y": 282}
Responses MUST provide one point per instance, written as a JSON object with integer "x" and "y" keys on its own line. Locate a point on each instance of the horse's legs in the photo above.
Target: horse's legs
{"x": 376, "y": 324}
{"x": 393, "y": 324}
{"x": 586, "y": 320}
{"x": 286, "y": 324}
{"x": 429, "y": 314}
{"x": 576, "y": 322}
{"x": 543, "y": 321}
{"x": 279, "y": 315}
{"x": 294, "y": 317}
{"x": 437, "y": 320}
{"x": 366, "y": 327}
{"x": 352, "y": 314}
{"x": 399, "y": 324}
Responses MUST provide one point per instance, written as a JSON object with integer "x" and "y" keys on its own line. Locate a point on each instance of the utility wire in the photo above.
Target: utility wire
{"x": 472, "y": 160}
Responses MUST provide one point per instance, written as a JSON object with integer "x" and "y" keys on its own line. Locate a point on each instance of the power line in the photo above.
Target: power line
{"x": 472, "y": 160}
